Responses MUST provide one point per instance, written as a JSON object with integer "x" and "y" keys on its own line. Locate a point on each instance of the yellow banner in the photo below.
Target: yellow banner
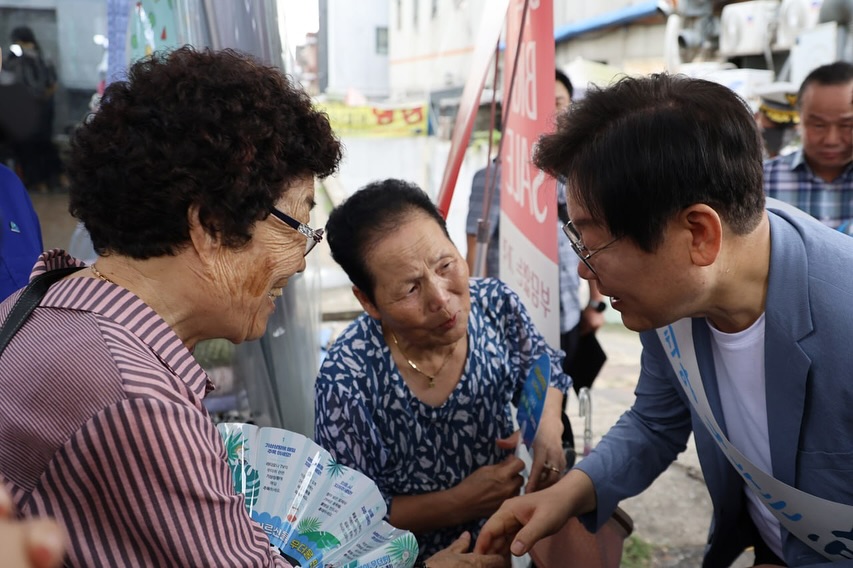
{"x": 377, "y": 121}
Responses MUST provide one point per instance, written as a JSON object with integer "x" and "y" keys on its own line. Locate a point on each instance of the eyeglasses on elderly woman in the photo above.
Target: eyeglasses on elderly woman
{"x": 313, "y": 236}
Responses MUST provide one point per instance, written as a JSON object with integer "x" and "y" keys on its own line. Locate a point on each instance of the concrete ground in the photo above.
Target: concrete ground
{"x": 673, "y": 515}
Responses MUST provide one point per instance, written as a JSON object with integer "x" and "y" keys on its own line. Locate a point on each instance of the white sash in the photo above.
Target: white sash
{"x": 825, "y": 526}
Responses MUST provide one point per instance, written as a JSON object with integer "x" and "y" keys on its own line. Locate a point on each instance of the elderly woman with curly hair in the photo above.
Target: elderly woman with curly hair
{"x": 195, "y": 180}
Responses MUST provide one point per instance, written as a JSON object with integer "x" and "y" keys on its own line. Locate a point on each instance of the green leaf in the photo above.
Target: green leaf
{"x": 324, "y": 540}
{"x": 335, "y": 469}
{"x": 404, "y": 549}
{"x": 308, "y": 524}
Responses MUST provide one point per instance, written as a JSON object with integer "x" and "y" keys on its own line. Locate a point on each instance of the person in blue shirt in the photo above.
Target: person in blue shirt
{"x": 20, "y": 234}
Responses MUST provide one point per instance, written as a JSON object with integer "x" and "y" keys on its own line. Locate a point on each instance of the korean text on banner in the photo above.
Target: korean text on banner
{"x": 528, "y": 197}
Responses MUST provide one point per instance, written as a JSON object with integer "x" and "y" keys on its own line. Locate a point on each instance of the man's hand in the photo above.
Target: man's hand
{"x": 455, "y": 556}
{"x": 521, "y": 522}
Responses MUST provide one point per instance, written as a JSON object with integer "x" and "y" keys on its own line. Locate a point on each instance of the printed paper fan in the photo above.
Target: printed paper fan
{"x": 316, "y": 511}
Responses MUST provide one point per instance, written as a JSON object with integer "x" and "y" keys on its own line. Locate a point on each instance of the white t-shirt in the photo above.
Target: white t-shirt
{"x": 739, "y": 361}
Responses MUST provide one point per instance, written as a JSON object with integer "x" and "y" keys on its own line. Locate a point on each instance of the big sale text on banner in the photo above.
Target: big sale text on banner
{"x": 528, "y": 196}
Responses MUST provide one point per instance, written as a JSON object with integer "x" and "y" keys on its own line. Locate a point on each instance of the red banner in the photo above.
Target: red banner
{"x": 528, "y": 225}
{"x": 527, "y": 195}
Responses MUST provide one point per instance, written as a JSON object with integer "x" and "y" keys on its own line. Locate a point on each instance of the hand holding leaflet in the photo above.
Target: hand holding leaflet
{"x": 316, "y": 511}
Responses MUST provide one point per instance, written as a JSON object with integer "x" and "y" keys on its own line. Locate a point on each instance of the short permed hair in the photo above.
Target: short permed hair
{"x": 369, "y": 214}
{"x": 636, "y": 153}
{"x": 212, "y": 130}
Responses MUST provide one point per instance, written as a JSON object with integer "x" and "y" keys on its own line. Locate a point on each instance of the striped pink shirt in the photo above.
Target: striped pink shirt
{"x": 102, "y": 427}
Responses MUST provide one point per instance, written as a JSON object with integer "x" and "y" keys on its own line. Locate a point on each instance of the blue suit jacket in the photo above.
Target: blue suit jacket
{"x": 809, "y": 387}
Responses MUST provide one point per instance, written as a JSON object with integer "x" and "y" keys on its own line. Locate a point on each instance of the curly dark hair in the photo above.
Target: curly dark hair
{"x": 213, "y": 130}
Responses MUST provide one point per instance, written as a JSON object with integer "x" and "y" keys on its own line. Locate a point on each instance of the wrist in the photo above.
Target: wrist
{"x": 597, "y": 305}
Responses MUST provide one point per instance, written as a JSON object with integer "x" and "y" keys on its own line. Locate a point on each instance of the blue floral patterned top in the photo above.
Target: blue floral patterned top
{"x": 368, "y": 418}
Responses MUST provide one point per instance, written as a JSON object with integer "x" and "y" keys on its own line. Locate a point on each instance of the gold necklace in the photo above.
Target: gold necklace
{"x": 97, "y": 273}
{"x": 416, "y": 368}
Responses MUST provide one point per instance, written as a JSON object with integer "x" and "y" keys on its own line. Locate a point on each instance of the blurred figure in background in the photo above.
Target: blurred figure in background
{"x": 818, "y": 178}
{"x": 37, "y": 159}
{"x": 777, "y": 119}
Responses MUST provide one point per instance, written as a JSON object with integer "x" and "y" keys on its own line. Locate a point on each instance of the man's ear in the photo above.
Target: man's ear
{"x": 366, "y": 304}
{"x": 706, "y": 230}
{"x": 207, "y": 246}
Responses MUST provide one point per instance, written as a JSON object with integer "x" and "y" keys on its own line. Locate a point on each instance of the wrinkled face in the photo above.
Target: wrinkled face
{"x": 421, "y": 279}
{"x": 826, "y": 120}
{"x": 648, "y": 289}
{"x": 249, "y": 278}
{"x": 562, "y": 99}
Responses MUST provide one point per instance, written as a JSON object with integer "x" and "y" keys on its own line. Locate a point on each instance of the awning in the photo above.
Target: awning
{"x": 611, "y": 19}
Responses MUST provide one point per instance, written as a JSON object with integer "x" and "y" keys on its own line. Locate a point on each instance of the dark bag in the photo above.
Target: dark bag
{"x": 27, "y": 302}
{"x": 573, "y": 545}
{"x": 587, "y": 362}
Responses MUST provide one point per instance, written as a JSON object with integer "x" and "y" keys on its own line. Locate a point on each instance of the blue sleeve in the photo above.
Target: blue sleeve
{"x": 644, "y": 441}
{"x": 475, "y": 202}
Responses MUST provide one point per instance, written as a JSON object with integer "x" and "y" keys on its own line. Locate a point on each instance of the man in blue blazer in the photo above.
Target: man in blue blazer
{"x": 745, "y": 317}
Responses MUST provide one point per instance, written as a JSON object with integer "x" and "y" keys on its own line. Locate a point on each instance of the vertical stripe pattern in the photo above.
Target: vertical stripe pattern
{"x": 102, "y": 427}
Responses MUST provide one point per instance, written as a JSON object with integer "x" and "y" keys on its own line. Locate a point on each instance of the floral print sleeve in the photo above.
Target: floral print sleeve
{"x": 368, "y": 418}
{"x": 525, "y": 342}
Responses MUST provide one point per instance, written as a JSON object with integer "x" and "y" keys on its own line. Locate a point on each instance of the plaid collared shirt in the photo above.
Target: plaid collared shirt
{"x": 790, "y": 179}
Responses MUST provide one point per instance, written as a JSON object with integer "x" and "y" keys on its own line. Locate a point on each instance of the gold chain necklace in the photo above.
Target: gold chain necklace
{"x": 97, "y": 273}
{"x": 417, "y": 369}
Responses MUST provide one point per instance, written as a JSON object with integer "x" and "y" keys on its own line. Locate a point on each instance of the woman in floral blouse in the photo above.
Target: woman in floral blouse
{"x": 417, "y": 392}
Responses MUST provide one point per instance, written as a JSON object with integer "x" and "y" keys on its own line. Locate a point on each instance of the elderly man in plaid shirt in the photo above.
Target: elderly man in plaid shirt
{"x": 818, "y": 178}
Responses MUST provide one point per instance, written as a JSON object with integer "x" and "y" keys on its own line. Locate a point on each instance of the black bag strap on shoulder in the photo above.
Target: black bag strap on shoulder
{"x": 27, "y": 302}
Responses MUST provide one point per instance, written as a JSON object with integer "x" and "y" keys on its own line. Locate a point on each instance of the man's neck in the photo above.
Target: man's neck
{"x": 742, "y": 281}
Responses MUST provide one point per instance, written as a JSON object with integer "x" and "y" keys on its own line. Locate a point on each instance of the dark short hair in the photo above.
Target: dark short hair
{"x": 636, "y": 153}
{"x": 838, "y": 73}
{"x": 564, "y": 79}
{"x": 365, "y": 217}
{"x": 23, "y": 34}
{"x": 212, "y": 130}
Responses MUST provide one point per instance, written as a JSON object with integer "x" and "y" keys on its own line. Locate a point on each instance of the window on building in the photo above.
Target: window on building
{"x": 434, "y": 8}
{"x": 415, "y": 10}
{"x": 399, "y": 14}
{"x": 382, "y": 41}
